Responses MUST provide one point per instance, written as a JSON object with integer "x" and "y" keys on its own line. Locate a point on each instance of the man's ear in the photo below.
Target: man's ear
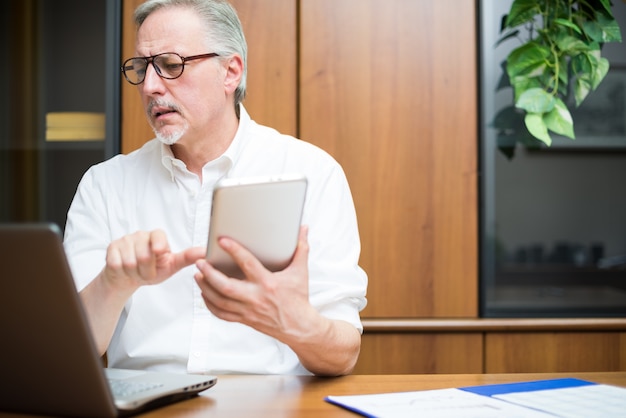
{"x": 234, "y": 72}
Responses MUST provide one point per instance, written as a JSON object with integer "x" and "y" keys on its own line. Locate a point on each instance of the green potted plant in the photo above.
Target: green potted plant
{"x": 558, "y": 63}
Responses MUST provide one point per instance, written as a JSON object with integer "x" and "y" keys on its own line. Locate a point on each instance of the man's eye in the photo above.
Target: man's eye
{"x": 172, "y": 67}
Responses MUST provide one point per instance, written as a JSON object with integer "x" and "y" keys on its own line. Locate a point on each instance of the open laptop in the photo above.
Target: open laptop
{"x": 48, "y": 360}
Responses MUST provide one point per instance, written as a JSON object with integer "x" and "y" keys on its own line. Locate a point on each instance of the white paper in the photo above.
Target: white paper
{"x": 439, "y": 403}
{"x": 583, "y": 401}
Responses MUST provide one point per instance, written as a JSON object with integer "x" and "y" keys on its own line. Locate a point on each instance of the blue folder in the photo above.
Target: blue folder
{"x": 491, "y": 390}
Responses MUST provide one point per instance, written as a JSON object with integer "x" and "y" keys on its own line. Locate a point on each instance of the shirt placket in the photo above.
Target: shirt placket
{"x": 199, "y": 356}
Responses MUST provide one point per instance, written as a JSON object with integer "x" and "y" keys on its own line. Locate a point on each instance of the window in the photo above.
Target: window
{"x": 60, "y": 108}
{"x": 553, "y": 223}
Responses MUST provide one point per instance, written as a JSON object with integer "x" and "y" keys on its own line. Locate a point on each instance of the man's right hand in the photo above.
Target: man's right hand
{"x": 145, "y": 258}
{"x": 141, "y": 258}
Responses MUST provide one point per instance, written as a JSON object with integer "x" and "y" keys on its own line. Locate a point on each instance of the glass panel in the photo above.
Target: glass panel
{"x": 55, "y": 97}
{"x": 553, "y": 219}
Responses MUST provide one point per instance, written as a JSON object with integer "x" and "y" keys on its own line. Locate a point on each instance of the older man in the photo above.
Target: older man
{"x": 138, "y": 225}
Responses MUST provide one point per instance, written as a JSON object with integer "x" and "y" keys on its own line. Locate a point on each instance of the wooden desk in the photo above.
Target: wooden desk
{"x": 300, "y": 396}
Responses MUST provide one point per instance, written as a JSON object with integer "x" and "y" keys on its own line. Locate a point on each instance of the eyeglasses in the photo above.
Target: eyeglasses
{"x": 168, "y": 65}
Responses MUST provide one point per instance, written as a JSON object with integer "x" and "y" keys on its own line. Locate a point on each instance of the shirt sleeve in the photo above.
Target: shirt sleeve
{"x": 87, "y": 234}
{"x": 337, "y": 284}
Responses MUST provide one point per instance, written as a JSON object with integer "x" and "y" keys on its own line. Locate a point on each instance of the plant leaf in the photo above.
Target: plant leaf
{"x": 561, "y": 58}
{"x": 522, "y": 84}
{"x": 509, "y": 35}
{"x": 508, "y": 119}
{"x": 564, "y": 77}
{"x": 522, "y": 11}
{"x": 593, "y": 30}
{"x": 559, "y": 120}
{"x": 537, "y": 127}
{"x": 581, "y": 64}
{"x": 603, "y": 29}
{"x": 504, "y": 81}
{"x": 503, "y": 23}
{"x": 570, "y": 45}
{"x": 506, "y": 146}
{"x": 607, "y": 6}
{"x": 594, "y": 52}
{"x": 600, "y": 71}
{"x": 581, "y": 89}
{"x": 610, "y": 28}
{"x": 526, "y": 59}
{"x": 569, "y": 24}
{"x": 536, "y": 100}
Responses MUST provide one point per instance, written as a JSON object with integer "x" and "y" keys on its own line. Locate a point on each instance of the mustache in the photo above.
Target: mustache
{"x": 162, "y": 103}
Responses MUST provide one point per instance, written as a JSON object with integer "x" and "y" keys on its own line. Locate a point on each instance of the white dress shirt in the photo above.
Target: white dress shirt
{"x": 167, "y": 326}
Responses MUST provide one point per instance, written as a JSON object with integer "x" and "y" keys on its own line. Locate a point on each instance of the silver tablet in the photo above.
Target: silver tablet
{"x": 263, "y": 214}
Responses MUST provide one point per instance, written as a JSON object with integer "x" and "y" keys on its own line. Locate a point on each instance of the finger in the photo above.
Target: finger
{"x": 301, "y": 256}
{"x": 213, "y": 282}
{"x": 127, "y": 248}
{"x": 221, "y": 294}
{"x": 145, "y": 256}
{"x": 120, "y": 258}
{"x": 217, "y": 309}
{"x": 158, "y": 242}
{"x": 113, "y": 258}
{"x": 188, "y": 257}
{"x": 246, "y": 261}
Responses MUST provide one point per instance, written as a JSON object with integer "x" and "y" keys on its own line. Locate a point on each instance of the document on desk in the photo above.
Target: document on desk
{"x": 567, "y": 398}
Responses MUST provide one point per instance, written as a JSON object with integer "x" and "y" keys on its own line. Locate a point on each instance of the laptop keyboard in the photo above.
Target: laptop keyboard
{"x": 122, "y": 388}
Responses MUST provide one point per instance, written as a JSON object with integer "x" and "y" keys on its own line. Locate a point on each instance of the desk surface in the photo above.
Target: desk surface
{"x": 290, "y": 396}
{"x": 301, "y": 396}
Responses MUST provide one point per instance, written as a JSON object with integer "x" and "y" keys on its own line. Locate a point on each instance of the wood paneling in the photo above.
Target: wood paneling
{"x": 383, "y": 90}
{"x": 501, "y": 352}
{"x": 555, "y": 352}
{"x": 272, "y": 60}
{"x": 390, "y": 91}
{"x": 420, "y": 353}
{"x": 271, "y": 33}
{"x": 133, "y": 122}
{"x": 511, "y": 345}
{"x": 495, "y": 324}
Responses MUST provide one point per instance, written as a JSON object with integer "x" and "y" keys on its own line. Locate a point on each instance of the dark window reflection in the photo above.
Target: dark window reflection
{"x": 554, "y": 219}
{"x": 42, "y": 42}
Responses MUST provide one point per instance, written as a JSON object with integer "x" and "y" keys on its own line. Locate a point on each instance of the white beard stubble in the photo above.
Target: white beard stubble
{"x": 166, "y": 138}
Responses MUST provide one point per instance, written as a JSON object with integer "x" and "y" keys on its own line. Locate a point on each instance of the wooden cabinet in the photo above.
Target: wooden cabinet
{"x": 517, "y": 352}
{"x": 493, "y": 345}
{"x": 492, "y": 352}
{"x": 414, "y": 352}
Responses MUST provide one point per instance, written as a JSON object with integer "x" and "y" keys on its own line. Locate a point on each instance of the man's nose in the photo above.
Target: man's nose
{"x": 152, "y": 80}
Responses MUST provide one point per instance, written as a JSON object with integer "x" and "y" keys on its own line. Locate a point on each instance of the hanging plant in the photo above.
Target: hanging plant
{"x": 554, "y": 69}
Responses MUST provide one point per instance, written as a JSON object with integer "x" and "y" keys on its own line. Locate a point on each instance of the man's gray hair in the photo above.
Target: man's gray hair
{"x": 223, "y": 29}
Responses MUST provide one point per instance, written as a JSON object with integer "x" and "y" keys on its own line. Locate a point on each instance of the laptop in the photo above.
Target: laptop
{"x": 48, "y": 360}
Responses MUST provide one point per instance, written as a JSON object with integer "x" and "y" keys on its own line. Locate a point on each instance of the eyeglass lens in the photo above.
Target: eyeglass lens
{"x": 166, "y": 65}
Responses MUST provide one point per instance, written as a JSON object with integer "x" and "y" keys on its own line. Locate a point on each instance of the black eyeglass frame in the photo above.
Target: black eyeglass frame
{"x": 150, "y": 60}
